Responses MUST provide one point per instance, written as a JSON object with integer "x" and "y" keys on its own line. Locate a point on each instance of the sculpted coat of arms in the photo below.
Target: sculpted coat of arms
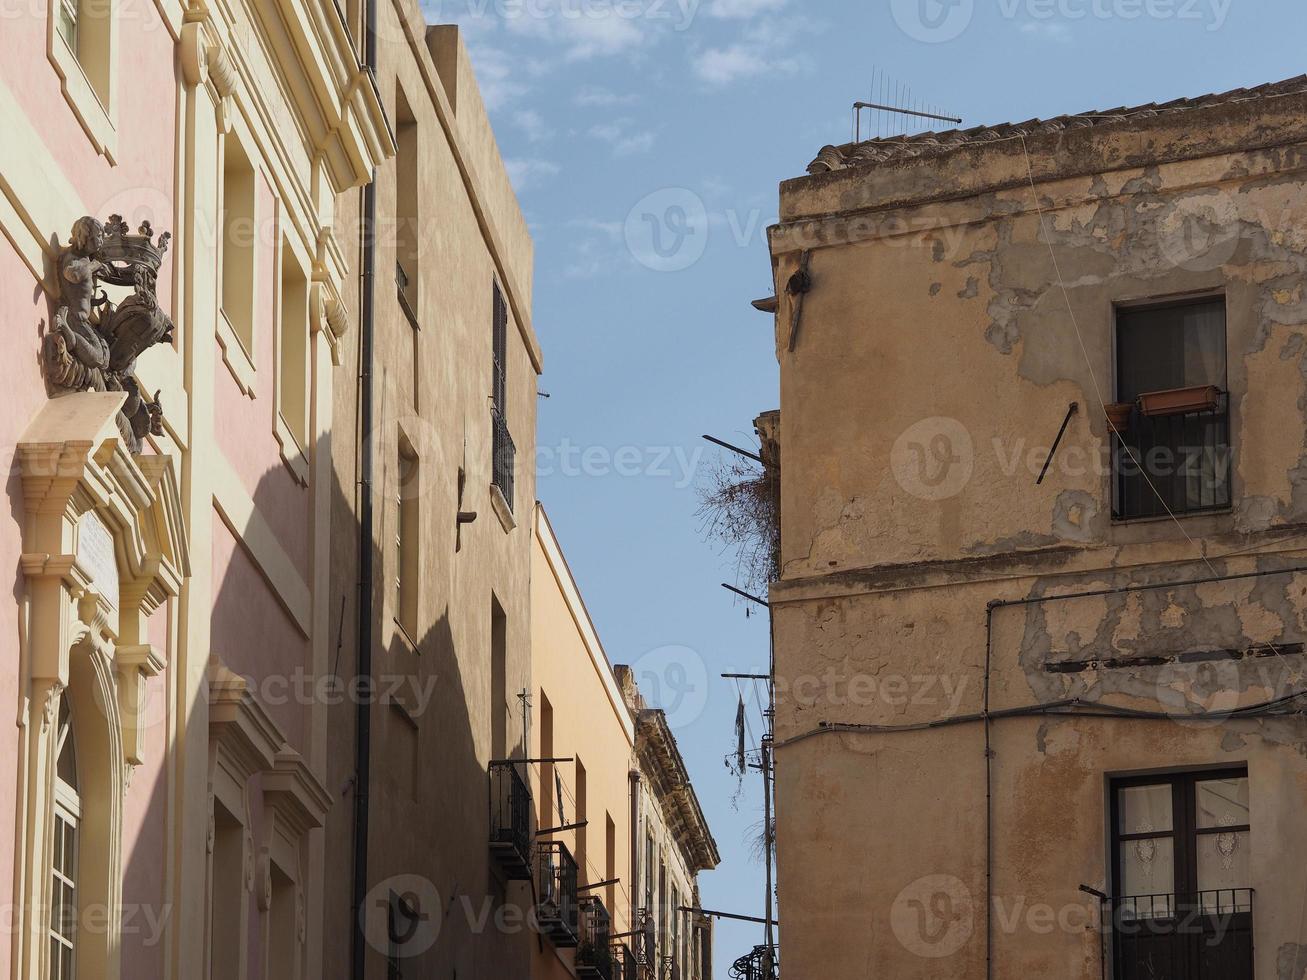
{"x": 93, "y": 343}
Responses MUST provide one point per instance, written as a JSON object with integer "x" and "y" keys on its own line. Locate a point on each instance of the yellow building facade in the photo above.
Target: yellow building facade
{"x": 619, "y": 835}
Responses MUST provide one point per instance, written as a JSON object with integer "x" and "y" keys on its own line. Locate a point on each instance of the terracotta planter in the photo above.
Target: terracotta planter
{"x": 1118, "y": 416}
{"x": 1181, "y": 401}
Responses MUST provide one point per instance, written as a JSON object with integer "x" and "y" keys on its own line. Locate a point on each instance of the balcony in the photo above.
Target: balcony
{"x": 1204, "y": 936}
{"x": 762, "y": 963}
{"x": 556, "y": 892}
{"x": 505, "y": 456}
{"x": 623, "y": 960}
{"x": 1178, "y": 458}
{"x": 510, "y": 821}
{"x": 594, "y": 955}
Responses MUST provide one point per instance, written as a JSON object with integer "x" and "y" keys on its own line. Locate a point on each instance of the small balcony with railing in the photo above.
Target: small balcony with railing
{"x": 558, "y": 909}
{"x": 510, "y": 820}
{"x": 1202, "y": 936}
{"x": 594, "y": 954}
{"x": 504, "y": 456}
{"x": 622, "y": 956}
{"x": 761, "y": 963}
{"x": 1171, "y": 453}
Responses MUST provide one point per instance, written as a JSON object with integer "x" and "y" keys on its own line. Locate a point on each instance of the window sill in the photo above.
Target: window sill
{"x": 235, "y": 356}
{"x": 292, "y": 453}
{"x": 502, "y": 510}
{"x": 81, "y": 97}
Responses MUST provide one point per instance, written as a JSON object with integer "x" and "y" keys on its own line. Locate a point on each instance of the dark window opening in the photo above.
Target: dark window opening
{"x": 1173, "y": 455}
{"x": 1181, "y": 868}
{"x": 503, "y": 450}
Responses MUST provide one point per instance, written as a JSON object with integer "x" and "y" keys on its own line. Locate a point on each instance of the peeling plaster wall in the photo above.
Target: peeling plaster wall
{"x": 936, "y": 358}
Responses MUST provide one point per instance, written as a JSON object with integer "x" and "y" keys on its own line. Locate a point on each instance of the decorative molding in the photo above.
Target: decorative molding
{"x": 243, "y": 739}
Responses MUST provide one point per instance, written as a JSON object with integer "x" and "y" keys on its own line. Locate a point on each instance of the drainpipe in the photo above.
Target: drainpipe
{"x": 636, "y": 880}
{"x": 363, "y": 719}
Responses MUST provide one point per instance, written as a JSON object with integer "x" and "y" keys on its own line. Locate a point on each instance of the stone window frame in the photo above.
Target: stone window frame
{"x": 249, "y": 757}
{"x": 238, "y": 352}
{"x": 86, "y": 614}
{"x": 95, "y": 105}
{"x": 297, "y": 454}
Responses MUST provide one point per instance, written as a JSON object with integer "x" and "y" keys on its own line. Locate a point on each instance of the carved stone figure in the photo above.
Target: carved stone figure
{"x": 94, "y": 343}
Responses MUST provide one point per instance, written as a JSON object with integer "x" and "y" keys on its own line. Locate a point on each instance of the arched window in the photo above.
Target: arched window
{"x": 63, "y": 871}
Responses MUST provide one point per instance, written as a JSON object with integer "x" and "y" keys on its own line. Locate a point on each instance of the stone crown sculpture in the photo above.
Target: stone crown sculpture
{"x": 94, "y": 344}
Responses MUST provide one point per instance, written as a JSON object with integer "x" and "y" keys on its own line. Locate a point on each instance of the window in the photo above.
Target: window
{"x": 293, "y": 348}
{"x": 610, "y": 861}
{"x": 239, "y": 238}
{"x": 581, "y": 816}
{"x": 1181, "y": 870}
{"x": 407, "y": 217}
{"x": 68, "y": 12}
{"x": 499, "y": 702}
{"x": 503, "y": 449}
{"x": 648, "y": 871}
{"x": 1173, "y": 456}
{"x": 407, "y": 536}
{"x": 547, "y": 772}
{"x": 63, "y": 884}
{"x": 85, "y": 26}
{"x": 227, "y": 893}
{"x": 283, "y": 932}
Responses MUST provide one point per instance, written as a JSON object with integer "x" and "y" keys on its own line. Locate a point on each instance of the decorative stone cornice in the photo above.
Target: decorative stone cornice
{"x": 662, "y": 763}
{"x": 242, "y": 736}
{"x": 294, "y": 793}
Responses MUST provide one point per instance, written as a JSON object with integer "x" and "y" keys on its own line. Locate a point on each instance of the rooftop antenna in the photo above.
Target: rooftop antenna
{"x": 894, "y": 107}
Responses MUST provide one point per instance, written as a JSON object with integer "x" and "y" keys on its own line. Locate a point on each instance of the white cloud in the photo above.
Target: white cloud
{"x": 532, "y": 125}
{"x": 760, "y": 52}
{"x": 525, "y": 173}
{"x": 594, "y": 96}
{"x": 497, "y": 76}
{"x": 622, "y": 138}
{"x": 743, "y": 9}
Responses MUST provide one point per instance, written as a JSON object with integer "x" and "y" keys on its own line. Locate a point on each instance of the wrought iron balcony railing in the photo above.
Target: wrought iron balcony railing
{"x": 1173, "y": 462}
{"x": 762, "y": 963}
{"x": 1201, "y": 936}
{"x": 504, "y": 455}
{"x": 623, "y": 959}
{"x": 594, "y": 955}
{"x": 556, "y": 892}
{"x": 510, "y": 820}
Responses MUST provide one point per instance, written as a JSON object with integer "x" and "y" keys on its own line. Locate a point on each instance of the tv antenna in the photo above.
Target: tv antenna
{"x": 895, "y": 110}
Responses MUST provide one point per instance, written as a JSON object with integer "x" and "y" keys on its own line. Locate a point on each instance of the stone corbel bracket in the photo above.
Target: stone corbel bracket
{"x": 205, "y": 62}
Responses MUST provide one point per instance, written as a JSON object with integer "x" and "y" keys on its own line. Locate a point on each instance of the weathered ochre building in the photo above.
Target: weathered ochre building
{"x": 998, "y": 684}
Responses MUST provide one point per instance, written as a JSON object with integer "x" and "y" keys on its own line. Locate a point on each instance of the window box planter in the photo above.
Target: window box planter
{"x": 1181, "y": 401}
{"x": 1118, "y": 416}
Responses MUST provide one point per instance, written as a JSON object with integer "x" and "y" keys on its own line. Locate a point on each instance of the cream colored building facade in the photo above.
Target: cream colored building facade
{"x": 635, "y": 838}
{"x": 449, "y": 459}
{"x": 165, "y": 788}
{"x": 996, "y": 687}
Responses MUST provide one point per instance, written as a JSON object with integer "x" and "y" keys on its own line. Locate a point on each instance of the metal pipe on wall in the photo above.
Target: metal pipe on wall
{"x": 365, "y": 449}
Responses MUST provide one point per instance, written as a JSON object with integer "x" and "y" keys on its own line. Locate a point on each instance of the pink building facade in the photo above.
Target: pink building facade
{"x": 168, "y": 621}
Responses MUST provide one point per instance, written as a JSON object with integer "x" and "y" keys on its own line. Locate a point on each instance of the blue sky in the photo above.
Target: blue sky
{"x": 646, "y": 139}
